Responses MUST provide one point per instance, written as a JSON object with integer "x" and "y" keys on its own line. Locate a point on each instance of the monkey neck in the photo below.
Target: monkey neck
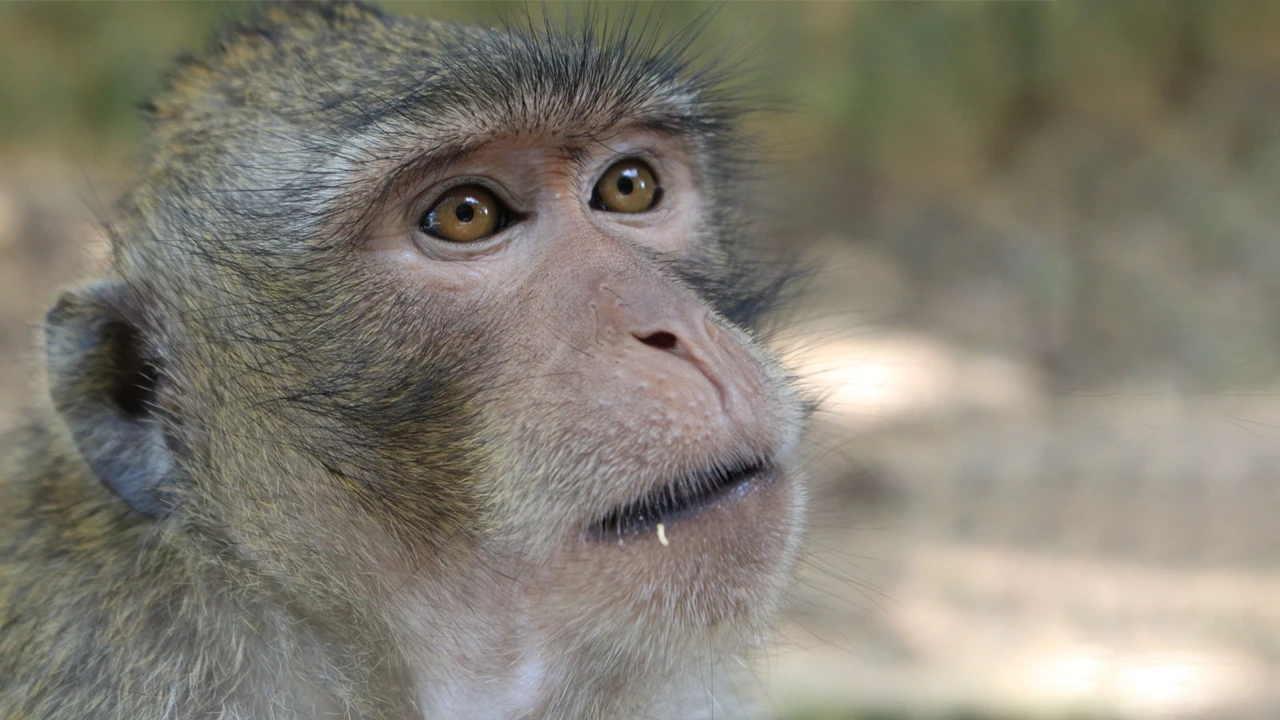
{"x": 486, "y": 647}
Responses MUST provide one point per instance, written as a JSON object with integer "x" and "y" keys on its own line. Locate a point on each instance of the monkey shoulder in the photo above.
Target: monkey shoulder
{"x": 79, "y": 580}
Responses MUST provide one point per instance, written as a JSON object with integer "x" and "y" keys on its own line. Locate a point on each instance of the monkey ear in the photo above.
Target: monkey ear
{"x": 105, "y": 383}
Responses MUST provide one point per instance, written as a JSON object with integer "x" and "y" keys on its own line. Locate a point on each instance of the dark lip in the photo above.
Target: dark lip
{"x": 682, "y": 497}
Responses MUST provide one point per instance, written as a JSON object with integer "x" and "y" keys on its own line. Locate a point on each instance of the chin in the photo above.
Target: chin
{"x": 692, "y": 566}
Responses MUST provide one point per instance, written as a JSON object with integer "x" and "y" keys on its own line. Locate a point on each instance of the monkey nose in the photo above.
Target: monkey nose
{"x": 657, "y": 317}
{"x": 696, "y": 342}
{"x": 686, "y": 333}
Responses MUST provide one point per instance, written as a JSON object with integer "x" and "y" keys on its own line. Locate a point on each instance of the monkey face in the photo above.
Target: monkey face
{"x": 647, "y": 441}
{"x": 441, "y": 340}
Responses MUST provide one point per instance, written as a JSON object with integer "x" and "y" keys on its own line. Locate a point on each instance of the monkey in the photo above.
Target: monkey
{"x": 424, "y": 380}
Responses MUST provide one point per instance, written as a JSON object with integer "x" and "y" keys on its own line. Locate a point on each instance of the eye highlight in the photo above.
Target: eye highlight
{"x": 628, "y": 186}
{"x": 465, "y": 214}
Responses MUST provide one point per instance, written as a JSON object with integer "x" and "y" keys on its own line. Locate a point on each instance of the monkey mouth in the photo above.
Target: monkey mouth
{"x": 683, "y": 497}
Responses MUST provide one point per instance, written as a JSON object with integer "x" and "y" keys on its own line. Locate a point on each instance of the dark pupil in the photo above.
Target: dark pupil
{"x": 464, "y": 212}
{"x": 625, "y": 186}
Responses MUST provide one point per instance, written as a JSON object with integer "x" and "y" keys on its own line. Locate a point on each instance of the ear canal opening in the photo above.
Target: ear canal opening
{"x": 133, "y": 387}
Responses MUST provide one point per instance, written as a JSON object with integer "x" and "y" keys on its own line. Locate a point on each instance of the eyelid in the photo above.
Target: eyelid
{"x": 648, "y": 157}
{"x": 432, "y": 195}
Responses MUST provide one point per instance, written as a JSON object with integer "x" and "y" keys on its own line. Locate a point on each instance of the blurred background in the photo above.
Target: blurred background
{"x": 1046, "y": 322}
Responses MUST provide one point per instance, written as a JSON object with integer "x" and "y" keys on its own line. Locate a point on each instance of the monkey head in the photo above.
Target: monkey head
{"x": 442, "y": 334}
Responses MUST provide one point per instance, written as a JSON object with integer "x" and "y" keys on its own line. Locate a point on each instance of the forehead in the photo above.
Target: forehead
{"x": 294, "y": 108}
{"x": 348, "y": 68}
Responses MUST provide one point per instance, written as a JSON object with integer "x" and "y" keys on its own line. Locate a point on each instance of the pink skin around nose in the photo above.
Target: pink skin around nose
{"x": 661, "y": 322}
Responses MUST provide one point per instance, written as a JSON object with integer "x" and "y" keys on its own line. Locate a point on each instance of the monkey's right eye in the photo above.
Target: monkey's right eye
{"x": 465, "y": 214}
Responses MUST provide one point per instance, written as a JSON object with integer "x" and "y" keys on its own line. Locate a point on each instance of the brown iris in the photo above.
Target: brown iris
{"x": 627, "y": 187}
{"x": 465, "y": 214}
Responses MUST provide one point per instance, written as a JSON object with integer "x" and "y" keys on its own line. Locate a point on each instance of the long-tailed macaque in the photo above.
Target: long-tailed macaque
{"x": 421, "y": 385}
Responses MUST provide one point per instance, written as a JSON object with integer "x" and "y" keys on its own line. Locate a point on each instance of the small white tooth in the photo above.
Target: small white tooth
{"x": 662, "y": 535}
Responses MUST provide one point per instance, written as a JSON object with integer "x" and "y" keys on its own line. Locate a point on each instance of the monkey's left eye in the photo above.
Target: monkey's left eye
{"x": 629, "y": 186}
{"x": 466, "y": 214}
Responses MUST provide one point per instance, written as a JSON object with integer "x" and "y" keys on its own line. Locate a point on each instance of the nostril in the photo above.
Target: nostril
{"x": 661, "y": 340}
